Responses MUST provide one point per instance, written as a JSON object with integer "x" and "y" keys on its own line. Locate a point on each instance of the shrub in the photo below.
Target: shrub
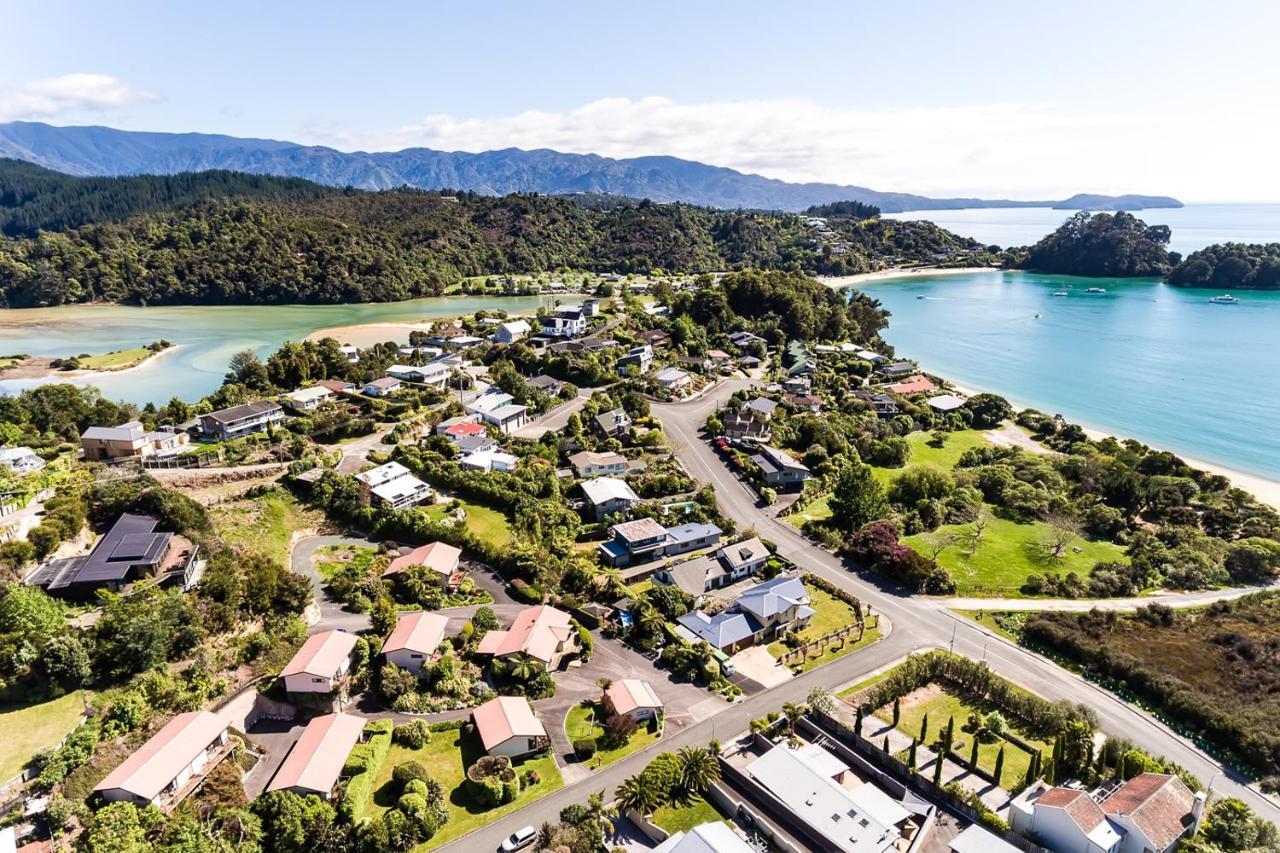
{"x": 362, "y": 767}
{"x": 415, "y": 734}
{"x": 409, "y": 771}
{"x": 584, "y": 748}
{"x": 492, "y": 781}
{"x": 530, "y": 778}
{"x": 618, "y": 729}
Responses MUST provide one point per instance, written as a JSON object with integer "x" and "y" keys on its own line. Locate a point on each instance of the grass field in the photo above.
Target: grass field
{"x": 118, "y": 360}
{"x": 585, "y": 721}
{"x": 940, "y": 706}
{"x": 487, "y": 524}
{"x": 831, "y": 615}
{"x": 34, "y": 728}
{"x": 1007, "y": 555}
{"x": 446, "y": 759}
{"x": 265, "y": 523}
{"x": 7, "y": 361}
{"x": 331, "y": 558}
{"x": 681, "y": 817}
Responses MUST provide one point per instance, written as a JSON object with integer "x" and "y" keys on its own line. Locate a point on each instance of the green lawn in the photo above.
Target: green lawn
{"x": 35, "y": 728}
{"x": 585, "y": 721}
{"x": 117, "y": 360}
{"x": 682, "y": 817}
{"x": 446, "y": 759}
{"x": 1007, "y": 624}
{"x": 817, "y": 511}
{"x": 924, "y": 453}
{"x": 941, "y": 706}
{"x": 487, "y": 524}
{"x": 1007, "y": 555}
{"x": 831, "y": 615}
{"x": 265, "y": 523}
{"x": 331, "y": 558}
{"x": 7, "y": 361}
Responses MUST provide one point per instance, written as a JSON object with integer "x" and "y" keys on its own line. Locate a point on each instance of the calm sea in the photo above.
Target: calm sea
{"x": 1194, "y": 226}
{"x": 1158, "y": 363}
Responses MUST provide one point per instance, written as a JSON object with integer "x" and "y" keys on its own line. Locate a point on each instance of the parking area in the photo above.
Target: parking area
{"x": 761, "y": 667}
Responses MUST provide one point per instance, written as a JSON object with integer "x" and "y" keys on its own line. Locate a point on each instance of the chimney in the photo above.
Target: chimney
{"x": 1197, "y": 809}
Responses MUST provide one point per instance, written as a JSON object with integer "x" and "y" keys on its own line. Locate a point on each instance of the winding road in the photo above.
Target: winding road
{"x": 919, "y": 623}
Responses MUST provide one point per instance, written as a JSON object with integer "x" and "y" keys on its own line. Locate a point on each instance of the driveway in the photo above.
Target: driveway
{"x": 755, "y": 663}
{"x": 331, "y": 613}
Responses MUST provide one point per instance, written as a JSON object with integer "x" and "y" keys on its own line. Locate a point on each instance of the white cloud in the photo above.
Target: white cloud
{"x": 54, "y": 96}
{"x": 1017, "y": 150}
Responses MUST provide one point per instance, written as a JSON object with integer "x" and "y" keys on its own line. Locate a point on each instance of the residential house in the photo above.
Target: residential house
{"x": 546, "y": 384}
{"x": 455, "y": 428}
{"x": 975, "y": 839}
{"x": 392, "y": 484}
{"x": 633, "y": 698}
{"x": 780, "y": 469}
{"x": 917, "y": 384}
{"x": 591, "y": 307}
{"x": 131, "y": 549}
{"x": 728, "y": 565}
{"x": 761, "y": 614}
{"x": 337, "y": 386}
{"x": 882, "y": 404}
{"x": 489, "y": 459}
{"x": 499, "y": 408}
{"x": 696, "y": 363}
{"x": 469, "y": 444}
{"x": 609, "y": 495}
{"x": 160, "y": 771}
{"x": 314, "y": 764}
{"x": 352, "y": 353}
{"x": 714, "y": 837}
{"x": 565, "y": 322}
{"x": 749, "y": 362}
{"x": 632, "y": 542}
{"x": 441, "y": 335}
{"x": 743, "y": 559}
{"x": 797, "y": 385}
{"x": 507, "y": 726}
{"x": 457, "y": 343}
{"x": 308, "y": 399}
{"x": 636, "y": 361}
{"x": 745, "y": 341}
{"x": 797, "y": 359}
{"x": 868, "y": 355}
{"x": 415, "y": 639}
{"x": 656, "y": 338}
{"x": 653, "y": 309}
{"x": 541, "y": 633}
{"x": 761, "y": 407}
{"x": 743, "y": 425}
{"x": 383, "y": 387}
{"x": 944, "y": 403}
{"x": 1065, "y": 819}
{"x": 245, "y": 419}
{"x": 694, "y": 536}
{"x": 20, "y": 460}
{"x": 512, "y": 331}
{"x": 719, "y": 358}
{"x": 128, "y": 440}
{"x": 319, "y": 665}
{"x": 587, "y": 464}
{"x": 613, "y": 424}
{"x": 672, "y": 379}
{"x": 804, "y": 402}
{"x": 896, "y": 370}
{"x": 434, "y": 374}
{"x": 440, "y": 557}
{"x": 832, "y": 802}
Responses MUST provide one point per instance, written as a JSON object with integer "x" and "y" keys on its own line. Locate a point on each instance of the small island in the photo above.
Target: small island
{"x": 1230, "y": 266}
{"x": 21, "y": 366}
{"x": 1117, "y": 245}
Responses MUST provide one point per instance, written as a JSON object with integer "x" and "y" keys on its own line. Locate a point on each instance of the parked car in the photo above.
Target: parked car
{"x": 519, "y": 839}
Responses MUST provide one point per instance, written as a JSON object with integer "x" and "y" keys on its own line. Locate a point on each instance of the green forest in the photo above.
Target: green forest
{"x": 1247, "y": 266}
{"x": 1102, "y": 244}
{"x": 267, "y": 240}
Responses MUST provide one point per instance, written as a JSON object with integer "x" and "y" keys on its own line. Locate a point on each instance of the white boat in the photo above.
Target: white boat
{"x": 1225, "y": 299}
{"x": 1095, "y": 290}
{"x": 1059, "y": 293}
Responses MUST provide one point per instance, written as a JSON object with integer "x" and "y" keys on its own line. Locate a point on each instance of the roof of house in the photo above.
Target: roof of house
{"x": 489, "y": 458}
{"x": 628, "y": 694}
{"x": 514, "y": 326}
{"x": 776, "y": 596}
{"x": 385, "y": 383}
{"x": 158, "y": 762}
{"x": 1159, "y": 804}
{"x": 640, "y": 529}
{"x": 723, "y": 629}
{"x": 763, "y": 405}
{"x": 780, "y": 459}
{"x": 1079, "y": 806}
{"x": 394, "y": 491}
{"x": 505, "y": 717}
{"x": 315, "y": 392}
{"x": 692, "y": 532}
{"x": 743, "y": 422}
{"x": 440, "y": 557}
{"x": 128, "y": 431}
{"x": 383, "y": 474}
{"x": 670, "y": 374}
{"x": 912, "y": 385}
{"x": 537, "y": 632}
{"x": 715, "y": 837}
{"x": 604, "y": 489}
{"x": 420, "y": 631}
{"x": 131, "y": 541}
{"x": 321, "y": 655}
{"x": 544, "y": 382}
{"x": 337, "y": 386}
{"x": 316, "y": 760}
{"x": 586, "y": 458}
{"x": 502, "y": 413}
{"x": 465, "y": 428}
{"x": 741, "y": 553}
{"x": 691, "y": 576}
{"x": 945, "y": 402}
{"x": 975, "y": 839}
{"x": 244, "y": 410}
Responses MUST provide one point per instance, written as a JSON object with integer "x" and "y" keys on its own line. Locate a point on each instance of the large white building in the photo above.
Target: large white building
{"x": 500, "y": 409}
{"x": 393, "y": 485}
{"x": 568, "y": 321}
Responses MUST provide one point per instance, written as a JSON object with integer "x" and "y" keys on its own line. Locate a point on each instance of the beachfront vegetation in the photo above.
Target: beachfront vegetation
{"x": 1103, "y": 244}
{"x": 1231, "y": 266}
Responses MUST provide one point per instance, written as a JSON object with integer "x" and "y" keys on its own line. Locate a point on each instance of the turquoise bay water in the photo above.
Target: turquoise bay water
{"x": 1194, "y": 226}
{"x": 208, "y": 336}
{"x": 1146, "y": 360}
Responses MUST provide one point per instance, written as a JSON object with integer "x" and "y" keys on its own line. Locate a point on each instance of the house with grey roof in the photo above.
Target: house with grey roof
{"x": 684, "y": 538}
{"x": 632, "y": 542}
{"x": 609, "y": 495}
{"x": 613, "y": 423}
{"x": 20, "y": 460}
{"x": 779, "y": 469}
{"x": 131, "y": 549}
{"x": 761, "y": 614}
{"x": 245, "y": 419}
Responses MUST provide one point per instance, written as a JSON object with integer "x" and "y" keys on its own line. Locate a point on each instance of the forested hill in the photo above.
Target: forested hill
{"x": 1102, "y": 244}
{"x": 357, "y": 246}
{"x": 35, "y": 199}
{"x": 1231, "y": 266}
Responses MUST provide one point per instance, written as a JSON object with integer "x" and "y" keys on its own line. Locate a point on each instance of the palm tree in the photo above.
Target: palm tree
{"x": 793, "y": 713}
{"x": 635, "y": 795}
{"x": 522, "y": 668}
{"x": 699, "y": 770}
{"x": 648, "y": 619}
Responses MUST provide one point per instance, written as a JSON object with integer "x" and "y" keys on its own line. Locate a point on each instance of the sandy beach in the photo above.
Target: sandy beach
{"x": 1267, "y": 491}
{"x": 898, "y": 272}
{"x": 38, "y": 367}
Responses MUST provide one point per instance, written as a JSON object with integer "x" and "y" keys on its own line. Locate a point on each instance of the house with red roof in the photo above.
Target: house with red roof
{"x": 917, "y": 384}
{"x": 542, "y": 633}
{"x": 314, "y": 764}
{"x": 633, "y": 698}
{"x": 170, "y": 764}
{"x": 507, "y": 726}
{"x": 415, "y": 639}
{"x": 320, "y": 664}
{"x": 440, "y": 558}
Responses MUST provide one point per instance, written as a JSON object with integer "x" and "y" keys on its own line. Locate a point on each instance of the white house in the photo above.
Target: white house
{"x": 20, "y": 460}
{"x": 415, "y": 639}
{"x": 308, "y": 399}
{"x": 382, "y": 387}
{"x": 499, "y": 408}
{"x": 435, "y": 374}
{"x": 512, "y": 331}
{"x": 393, "y": 485}
{"x": 352, "y": 353}
{"x": 715, "y": 837}
{"x": 258, "y": 416}
{"x": 672, "y": 378}
{"x": 1150, "y": 813}
{"x": 507, "y": 726}
{"x": 568, "y": 321}
{"x": 588, "y": 464}
{"x": 489, "y": 459}
{"x": 175, "y": 755}
{"x": 609, "y": 495}
{"x": 320, "y": 664}
{"x": 633, "y": 698}
{"x": 314, "y": 765}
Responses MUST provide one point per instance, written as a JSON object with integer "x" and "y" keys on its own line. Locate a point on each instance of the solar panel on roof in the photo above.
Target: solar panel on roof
{"x": 133, "y": 546}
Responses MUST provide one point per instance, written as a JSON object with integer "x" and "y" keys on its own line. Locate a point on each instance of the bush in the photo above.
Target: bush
{"x": 362, "y": 769}
{"x": 415, "y": 734}
{"x": 408, "y": 772}
{"x": 492, "y": 781}
{"x": 618, "y": 729}
{"x": 584, "y": 748}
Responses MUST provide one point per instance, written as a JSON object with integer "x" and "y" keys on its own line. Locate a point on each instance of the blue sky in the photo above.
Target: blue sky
{"x": 992, "y": 98}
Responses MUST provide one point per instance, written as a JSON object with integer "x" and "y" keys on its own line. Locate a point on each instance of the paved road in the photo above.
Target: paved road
{"x": 333, "y": 614}
{"x": 919, "y": 623}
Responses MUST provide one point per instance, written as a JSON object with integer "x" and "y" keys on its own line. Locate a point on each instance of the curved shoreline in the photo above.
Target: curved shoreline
{"x": 839, "y": 281}
{"x": 21, "y": 371}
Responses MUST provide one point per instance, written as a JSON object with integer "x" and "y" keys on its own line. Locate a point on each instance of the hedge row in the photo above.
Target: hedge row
{"x": 362, "y": 768}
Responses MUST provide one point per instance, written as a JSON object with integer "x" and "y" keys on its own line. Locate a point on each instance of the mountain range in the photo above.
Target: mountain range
{"x": 93, "y": 150}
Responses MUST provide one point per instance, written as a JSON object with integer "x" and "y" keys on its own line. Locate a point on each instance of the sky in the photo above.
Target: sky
{"x": 991, "y": 99}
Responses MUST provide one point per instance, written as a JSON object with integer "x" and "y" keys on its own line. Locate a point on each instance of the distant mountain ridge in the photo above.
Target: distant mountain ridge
{"x": 93, "y": 150}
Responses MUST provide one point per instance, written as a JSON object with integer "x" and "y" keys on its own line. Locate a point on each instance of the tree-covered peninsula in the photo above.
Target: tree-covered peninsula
{"x": 1231, "y": 266}
{"x": 1102, "y": 244}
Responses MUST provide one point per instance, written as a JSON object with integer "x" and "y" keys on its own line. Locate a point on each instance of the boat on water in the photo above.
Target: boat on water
{"x": 1095, "y": 290}
{"x": 1225, "y": 299}
{"x": 922, "y": 296}
{"x": 1059, "y": 293}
